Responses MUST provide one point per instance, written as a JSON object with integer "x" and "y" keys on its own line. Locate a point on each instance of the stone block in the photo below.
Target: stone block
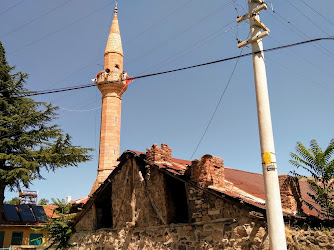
{"x": 206, "y": 218}
{"x": 214, "y": 212}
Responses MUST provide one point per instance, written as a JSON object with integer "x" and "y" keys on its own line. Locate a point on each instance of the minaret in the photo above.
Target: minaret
{"x": 111, "y": 103}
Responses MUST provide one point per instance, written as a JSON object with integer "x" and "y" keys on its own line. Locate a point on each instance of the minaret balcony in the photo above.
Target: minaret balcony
{"x": 111, "y": 82}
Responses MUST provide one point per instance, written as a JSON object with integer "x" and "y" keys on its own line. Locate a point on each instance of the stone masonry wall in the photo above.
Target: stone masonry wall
{"x": 214, "y": 235}
{"x": 218, "y": 234}
{"x": 137, "y": 200}
{"x": 88, "y": 221}
{"x": 205, "y": 207}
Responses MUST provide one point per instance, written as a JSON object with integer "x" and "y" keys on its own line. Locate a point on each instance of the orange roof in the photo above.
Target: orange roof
{"x": 82, "y": 200}
{"x": 50, "y": 210}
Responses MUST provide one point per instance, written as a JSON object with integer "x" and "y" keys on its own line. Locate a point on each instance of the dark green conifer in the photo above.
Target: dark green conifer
{"x": 28, "y": 140}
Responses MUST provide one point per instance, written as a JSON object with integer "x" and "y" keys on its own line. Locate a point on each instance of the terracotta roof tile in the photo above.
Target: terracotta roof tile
{"x": 82, "y": 200}
{"x": 50, "y": 210}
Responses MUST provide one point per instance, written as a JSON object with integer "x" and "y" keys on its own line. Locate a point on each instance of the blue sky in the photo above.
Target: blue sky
{"x": 61, "y": 44}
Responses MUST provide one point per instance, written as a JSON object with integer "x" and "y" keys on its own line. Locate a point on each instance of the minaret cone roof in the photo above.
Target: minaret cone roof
{"x": 114, "y": 44}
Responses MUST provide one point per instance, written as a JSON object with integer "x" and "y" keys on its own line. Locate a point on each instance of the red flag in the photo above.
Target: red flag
{"x": 128, "y": 80}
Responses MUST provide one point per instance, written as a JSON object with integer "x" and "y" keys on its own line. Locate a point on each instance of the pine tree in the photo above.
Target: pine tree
{"x": 320, "y": 164}
{"x": 28, "y": 140}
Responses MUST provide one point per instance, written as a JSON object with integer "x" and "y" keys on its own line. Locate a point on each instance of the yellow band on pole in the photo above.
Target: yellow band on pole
{"x": 266, "y": 158}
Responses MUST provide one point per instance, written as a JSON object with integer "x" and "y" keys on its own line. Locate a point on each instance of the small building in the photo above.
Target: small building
{"x": 153, "y": 201}
{"x": 18, "y": 221}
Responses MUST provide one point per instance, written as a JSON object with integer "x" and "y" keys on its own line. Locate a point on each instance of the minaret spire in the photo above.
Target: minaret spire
{"x": 114, "y": 44}
{"x": 109, "y": 81}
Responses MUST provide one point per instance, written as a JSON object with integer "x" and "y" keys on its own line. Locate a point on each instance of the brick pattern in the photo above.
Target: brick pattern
{"x": 111, "y": 104}
{"x": 288, "y": 200}
{"x": 209, "y": 170}
{"x": 159, "y": 154}
{"x": 110, "y": 135}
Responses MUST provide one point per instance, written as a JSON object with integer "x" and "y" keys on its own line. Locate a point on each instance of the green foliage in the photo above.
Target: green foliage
{"x": 320, "y": 165}
{"x": 59, "y": 227}
{"x": 43, "y": 201}
{"x": 13, "y": 201}
{"x": 28, "y": 140}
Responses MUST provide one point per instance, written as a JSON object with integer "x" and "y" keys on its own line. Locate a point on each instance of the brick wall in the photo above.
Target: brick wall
{"x": 159, "y": 154}
{"x": 290, "y": 193}
{"x": 209, "y": 170}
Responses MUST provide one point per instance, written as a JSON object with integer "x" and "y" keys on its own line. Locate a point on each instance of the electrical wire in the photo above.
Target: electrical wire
{"x": 11, "y": 8}
{"x": 189, "y": 48}
{"x": 139, "y": 34}
{"x": 135, "y": 59}
{"x": 170, "y": 71}
{"x": 33, "y": 20}
{"x": 157, "y": 23}
{"x": 302, "y": 57}
{"x": 35, "y": 93}
{"x": 303, "y": 33}
{"x": 80, "y": 110}
{"x": 217, "y": 106}
{"x": 300, "y": 75}
{"x": 294, "y": 6}
{"x": 317, "y": 12}
{"x": 52, "y": 33}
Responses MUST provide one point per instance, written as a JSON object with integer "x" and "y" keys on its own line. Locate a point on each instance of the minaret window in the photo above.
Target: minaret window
{"x": 116, "y": 69}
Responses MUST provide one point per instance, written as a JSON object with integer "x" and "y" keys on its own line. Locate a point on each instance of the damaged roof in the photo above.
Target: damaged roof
{"x": 246, "y": 187}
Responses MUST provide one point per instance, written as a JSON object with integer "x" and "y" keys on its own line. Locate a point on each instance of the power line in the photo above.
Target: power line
{"x": 139, "y": 34}
{"x": 308, "y": 18}
{"x": 217, "y": 106}
{"x": 170, "y": 71}
{"x": 33, "y": 20}
{"x": 35, "y": 93}
{"x": 11, "y": 8}
{"x": 135, "y": 59}
{"x": 190, "y": 48}
{"x": 302, "y": 57}
{"x": 305, "y": 35}
{"x": 157, "y": 23}
{"x": 300, "y": 75}
{"x": 52, "y": 33}
{"x": 317, "y": 12}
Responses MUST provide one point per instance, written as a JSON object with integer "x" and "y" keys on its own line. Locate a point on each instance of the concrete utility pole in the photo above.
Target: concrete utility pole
{"x": 271, "y": 184}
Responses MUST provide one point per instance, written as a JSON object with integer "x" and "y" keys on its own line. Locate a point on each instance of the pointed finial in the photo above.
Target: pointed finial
{"x": 115, "y": 11}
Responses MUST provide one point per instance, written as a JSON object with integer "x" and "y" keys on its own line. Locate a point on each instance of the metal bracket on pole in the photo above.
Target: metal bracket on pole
{"x": 253, "y": 39}
{"x": 255, "y": 11}
{"x": 258, "y": 23}
{"x": 253, "y": 15}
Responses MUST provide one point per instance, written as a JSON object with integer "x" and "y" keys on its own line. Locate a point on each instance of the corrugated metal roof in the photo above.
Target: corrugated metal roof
{"x": 246, "y": 186}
